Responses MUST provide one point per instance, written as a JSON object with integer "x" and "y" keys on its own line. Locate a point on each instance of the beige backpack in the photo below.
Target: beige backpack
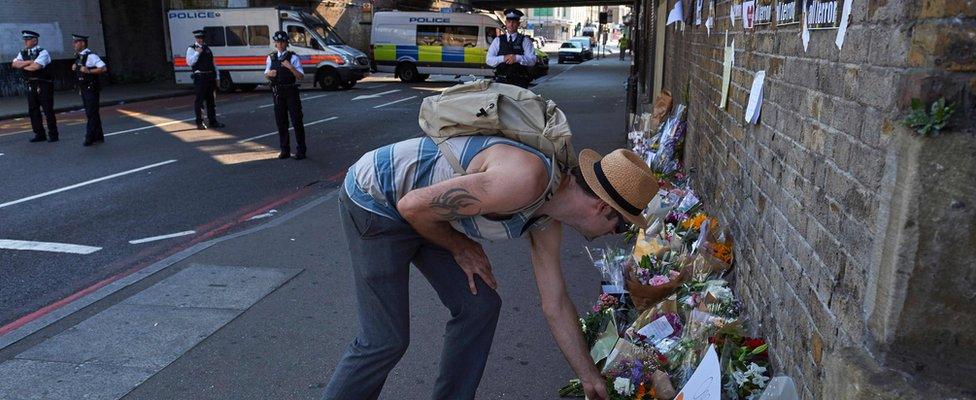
{"x": 488, "y": 108}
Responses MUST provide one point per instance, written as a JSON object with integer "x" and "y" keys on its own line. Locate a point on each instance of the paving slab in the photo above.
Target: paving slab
{"x": 47, "y": 380}
{"x": 212, "y": 286}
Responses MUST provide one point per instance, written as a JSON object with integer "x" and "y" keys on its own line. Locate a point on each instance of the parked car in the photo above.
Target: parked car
{"x": 571, "y": 51}
{"x": 586, "y": 43}
{"x": 541, "y": 67}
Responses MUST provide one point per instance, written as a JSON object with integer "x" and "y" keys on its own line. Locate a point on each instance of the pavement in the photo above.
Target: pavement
{"x": 70, "y": 100}
{"x": 257, "y": 302}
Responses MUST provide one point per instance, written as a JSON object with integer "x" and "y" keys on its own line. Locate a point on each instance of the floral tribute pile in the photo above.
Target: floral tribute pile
{"x": 668, "y": 298}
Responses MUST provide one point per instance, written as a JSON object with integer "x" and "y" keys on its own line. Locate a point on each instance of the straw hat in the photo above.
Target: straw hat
{"x": 621, "y": 179}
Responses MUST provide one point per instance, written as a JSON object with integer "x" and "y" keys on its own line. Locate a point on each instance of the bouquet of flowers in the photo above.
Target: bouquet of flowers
{"x": 745, "y": 364}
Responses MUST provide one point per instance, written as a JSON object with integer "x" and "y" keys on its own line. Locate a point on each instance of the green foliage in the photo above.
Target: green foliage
{"x": 929, "y": 123}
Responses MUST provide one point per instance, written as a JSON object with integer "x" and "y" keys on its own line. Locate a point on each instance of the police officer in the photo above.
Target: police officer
{"x": 33, "y": 61}
{"x": 284, "y": 70}
{"x": 88, "y": 66}
{"x": 201, "y": 61}
{"x": 512, "y": 54}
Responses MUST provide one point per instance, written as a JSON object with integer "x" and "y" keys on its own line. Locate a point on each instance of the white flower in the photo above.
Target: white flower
{"x": 757, "y": 373}
{"x": 623, "y": 387}
{"x": 740, "y": 378}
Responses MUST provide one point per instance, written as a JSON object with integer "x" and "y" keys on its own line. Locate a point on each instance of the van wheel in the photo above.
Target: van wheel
{"x": 407, "y": 73}
{"x": 225, "y": 84}
{"x": 348, "y": 84}
{"x": 329, "y": 79}
{"x": 248, "y": 87}
{"x": 422, "y": 77}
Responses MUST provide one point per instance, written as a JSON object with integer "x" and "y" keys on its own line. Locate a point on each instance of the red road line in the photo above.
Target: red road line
{"x": 212, "y": 229}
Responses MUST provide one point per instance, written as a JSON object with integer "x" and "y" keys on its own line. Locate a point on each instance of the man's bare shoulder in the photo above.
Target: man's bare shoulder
{"x": 521, "y": 170}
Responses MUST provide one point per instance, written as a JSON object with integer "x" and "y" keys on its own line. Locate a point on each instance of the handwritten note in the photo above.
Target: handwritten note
{"x": 727, "y": 70}
{"x": 755, "y": 98}
{"x": 676, "y": 14}
{"x": 657, "y": 330}
{"x": 706, "y": 381}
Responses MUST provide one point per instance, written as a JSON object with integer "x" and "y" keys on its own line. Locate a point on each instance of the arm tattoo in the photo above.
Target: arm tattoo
{"x": 449, "y": 204}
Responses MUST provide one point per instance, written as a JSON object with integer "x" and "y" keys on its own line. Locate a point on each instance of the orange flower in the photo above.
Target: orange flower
{"x": 697, "y": 221}
{"x": 641, "y": 392}
{"x": 722, "y": 251}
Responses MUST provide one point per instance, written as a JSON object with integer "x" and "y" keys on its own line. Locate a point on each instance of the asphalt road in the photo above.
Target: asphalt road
{"x": 157, "y": 175}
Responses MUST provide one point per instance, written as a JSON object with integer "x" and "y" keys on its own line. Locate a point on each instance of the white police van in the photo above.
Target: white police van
{"x": 240, "y": 39}
{"x": 413, "y": 45}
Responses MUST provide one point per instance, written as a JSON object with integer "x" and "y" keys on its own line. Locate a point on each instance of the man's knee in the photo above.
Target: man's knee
{"x": 486, "y": 304}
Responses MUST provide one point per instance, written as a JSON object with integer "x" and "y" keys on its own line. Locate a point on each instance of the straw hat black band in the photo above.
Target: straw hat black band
{"x": 621, "y": 201}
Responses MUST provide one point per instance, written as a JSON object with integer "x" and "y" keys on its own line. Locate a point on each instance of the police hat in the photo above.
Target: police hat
{"x": 29, "y": 35}
{"x": 76, "y": 37}
{"x": 280, "y": 36}
{"x": 198, "y": 33}
{"x": 512, "y": 13}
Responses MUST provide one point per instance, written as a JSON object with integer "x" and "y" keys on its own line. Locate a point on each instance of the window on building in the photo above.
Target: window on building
{"x": 213, "y": 36}
{"x": 258, "y": 35}
{"x": 236, "y": 35}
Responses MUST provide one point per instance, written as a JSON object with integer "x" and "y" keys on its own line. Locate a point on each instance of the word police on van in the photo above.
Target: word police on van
{"x": 193, "y": 14}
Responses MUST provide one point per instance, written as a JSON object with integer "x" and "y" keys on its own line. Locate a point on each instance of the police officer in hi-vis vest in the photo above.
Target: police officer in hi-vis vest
{"x": 88, "y": 66}
{"x": 201, "y": 61}
{"x": 284, "y": 70}
{"x": 512, "y": 54}
{"x": 33, "y": 61}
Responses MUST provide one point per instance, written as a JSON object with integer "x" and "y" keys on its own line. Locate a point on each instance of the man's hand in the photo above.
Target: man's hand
{"x": 199, "y": 49}
{"x": 510, "y": 59}
{"x": 473, "y": 261}
{"x": 286, "y": 64}
{"x": 74, "y": 67}
{"x": 272, "y": 73}
{"x": 595, "y": 388}
{"x": 85, "y": 70}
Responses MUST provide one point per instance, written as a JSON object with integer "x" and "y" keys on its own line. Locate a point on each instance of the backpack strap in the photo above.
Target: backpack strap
{"x": 451, "y": 158}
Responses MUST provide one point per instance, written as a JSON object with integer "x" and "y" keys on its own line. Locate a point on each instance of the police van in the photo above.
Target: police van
{"x": 413, "y": 45}
{"x": 240, "y": 39}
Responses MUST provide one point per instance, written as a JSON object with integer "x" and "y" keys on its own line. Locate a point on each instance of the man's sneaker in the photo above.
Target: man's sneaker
{"x": 52, "y": 139}
{"x": 300, "y": 156}
{"x": 283, "y": 155}
{"x": 201, "y": 126}
{"x": 36, "y": 139}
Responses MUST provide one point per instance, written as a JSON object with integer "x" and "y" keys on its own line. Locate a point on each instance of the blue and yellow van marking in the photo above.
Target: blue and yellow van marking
{"x": 430, "y": 54}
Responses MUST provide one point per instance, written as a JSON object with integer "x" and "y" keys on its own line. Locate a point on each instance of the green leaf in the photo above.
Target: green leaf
{"x": 759, "y": 350}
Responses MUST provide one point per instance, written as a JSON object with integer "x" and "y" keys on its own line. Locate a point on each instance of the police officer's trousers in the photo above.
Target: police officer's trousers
{"x": 41, "y": 97}
{"x": 288, "y": 104}
{"x": 204, "y": 86}
{"x": 90, "y": 98}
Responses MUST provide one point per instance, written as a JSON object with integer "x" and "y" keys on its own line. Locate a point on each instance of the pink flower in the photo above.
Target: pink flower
{"x": 673, "y": 274}
{"x": 659, "y": 280}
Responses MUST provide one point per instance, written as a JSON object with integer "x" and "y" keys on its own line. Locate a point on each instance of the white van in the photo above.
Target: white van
{"x": 413, "y": 45}
{"x": 240, "y": 39}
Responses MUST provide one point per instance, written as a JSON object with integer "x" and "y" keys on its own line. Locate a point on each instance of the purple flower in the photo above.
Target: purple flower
{"x": 637, "y": 372}
{"x": 659, "y": 280}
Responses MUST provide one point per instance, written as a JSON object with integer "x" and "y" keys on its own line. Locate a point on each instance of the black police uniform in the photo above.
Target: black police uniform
{"x": 287, "y": 104}
{"x": 90, "y": 87}
{"x": 204, "y": 86}
{"x": 40, "y": 97}
{"x": 515, "y": 74}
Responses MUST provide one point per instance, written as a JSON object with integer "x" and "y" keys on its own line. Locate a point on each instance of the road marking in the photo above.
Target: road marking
{"x": 303, "y": 98}
{"x": 150, "y": 126}
{"x": 275, "y": 132}
{"x": 397, "y": 101}
{"x": 161, "y": 237}
{"x": 270, "y": 213}
{"x": 373, "y": 96}
{"x": 16, "y": 133}
{"x": 47, "y": 246}
{"x": 78, "y": 185}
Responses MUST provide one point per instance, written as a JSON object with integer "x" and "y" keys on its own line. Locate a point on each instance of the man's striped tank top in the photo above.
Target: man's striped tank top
{"x": 383, "y": 176}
